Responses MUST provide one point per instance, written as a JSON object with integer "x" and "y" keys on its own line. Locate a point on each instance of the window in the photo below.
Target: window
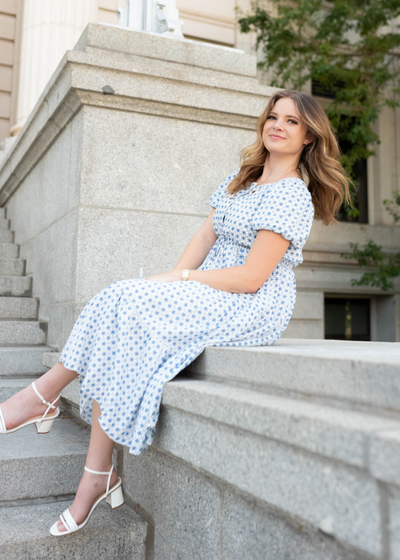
{"x": 321, "y": 90}
{"x": 347, "y": 318}
{"x": 360, "y": 180}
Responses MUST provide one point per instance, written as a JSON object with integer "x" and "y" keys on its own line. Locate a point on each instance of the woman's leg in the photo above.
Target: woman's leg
{"x": 99, "y": 458}
{"x": 26, "y": 404}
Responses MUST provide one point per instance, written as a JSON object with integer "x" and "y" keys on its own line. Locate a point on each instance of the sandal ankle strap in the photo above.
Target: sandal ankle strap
{"x": 98, "y": 472}
{"x": 49, "y": 405}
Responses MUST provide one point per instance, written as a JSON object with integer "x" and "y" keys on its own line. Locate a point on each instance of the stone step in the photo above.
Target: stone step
{"x": 4, "y": 224}
{"x": 36, "y": 465}
{"x": 317, "y": 464}
{"x": 2, "y": 212}
{"x": 16, "y": 286}
{"x": 9, "y": 250}
{"x": 334, "y": 433}
{"x": 8, "y": 387}
{"x": 6, "y": 236}
{"x": 347, "y": 373}
{"x": 24, "y": 533}
{"x": 12, "y": 267}
{"x": 22, "y": 333}
{"x": 18, "y": 308}
{"x": 21, "y": 361}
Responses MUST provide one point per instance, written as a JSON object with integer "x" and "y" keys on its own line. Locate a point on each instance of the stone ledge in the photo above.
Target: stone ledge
{"x": 154, "y": 46}
{"x": 352, "y": 374}
{"x": 333, "y": 433}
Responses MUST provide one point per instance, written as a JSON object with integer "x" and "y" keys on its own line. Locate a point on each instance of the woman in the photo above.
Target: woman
{"x": 234, "y": 285}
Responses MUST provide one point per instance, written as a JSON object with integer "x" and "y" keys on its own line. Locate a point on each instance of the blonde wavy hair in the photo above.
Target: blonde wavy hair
{"x": 319, "y": 162}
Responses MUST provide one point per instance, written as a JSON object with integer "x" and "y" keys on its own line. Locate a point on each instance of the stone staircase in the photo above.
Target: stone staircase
{"x": 293, "y": 448}
{"x": 39, "y": 474}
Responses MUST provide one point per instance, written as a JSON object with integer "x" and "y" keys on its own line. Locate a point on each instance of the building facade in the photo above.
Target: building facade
{"x": 34, "y": 35}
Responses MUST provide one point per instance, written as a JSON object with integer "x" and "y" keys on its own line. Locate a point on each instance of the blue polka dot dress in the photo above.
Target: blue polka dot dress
{"x": 135, "y": 335}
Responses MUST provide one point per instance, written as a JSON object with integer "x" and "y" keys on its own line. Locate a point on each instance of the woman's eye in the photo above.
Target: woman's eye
{"x": 290, "y": 120}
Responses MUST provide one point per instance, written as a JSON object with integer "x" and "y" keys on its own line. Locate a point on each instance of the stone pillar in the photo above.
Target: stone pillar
{"x": 49, "y": 28}
{"x": 113, "y": 171}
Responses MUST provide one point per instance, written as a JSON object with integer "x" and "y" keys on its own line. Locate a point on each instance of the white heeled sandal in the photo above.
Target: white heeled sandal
{"x": 113, "y": 496}
{"x": 42, "y": 423}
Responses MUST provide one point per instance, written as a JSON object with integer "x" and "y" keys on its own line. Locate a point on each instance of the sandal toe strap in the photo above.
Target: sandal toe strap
{"x": 68, "y": 521}
{"x": 3, "y": 429}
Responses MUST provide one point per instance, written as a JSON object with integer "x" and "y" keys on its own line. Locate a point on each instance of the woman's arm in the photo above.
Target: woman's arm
{"x": 264, "y": 255}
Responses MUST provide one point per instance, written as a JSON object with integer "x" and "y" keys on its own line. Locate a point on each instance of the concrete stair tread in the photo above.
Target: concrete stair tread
{"x": 331, "y": 432}
{"x": 40, "y": 465}
{"x": 22, "y": 360}
{"x": 15, "y": 285}
{"x": 4, "y": 223}
{"x": 365, "y": 374}
{"x": 66, "y": 437}
{"x": 18, "y": 307}
{"x": 21, "y": 333}
{"x": 12, "y": 266}
{"x": 6, "y": 236}
{"x": 9, "y": 250}
{"x": 24, "y": 533}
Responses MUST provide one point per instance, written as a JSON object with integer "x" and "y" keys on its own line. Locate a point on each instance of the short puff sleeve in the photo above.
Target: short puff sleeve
{"x": 286, "y": 208}
{"x": 217, "y": 195}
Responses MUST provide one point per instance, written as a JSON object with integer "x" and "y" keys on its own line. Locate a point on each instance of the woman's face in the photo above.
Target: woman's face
{"x": 284, "y": 132}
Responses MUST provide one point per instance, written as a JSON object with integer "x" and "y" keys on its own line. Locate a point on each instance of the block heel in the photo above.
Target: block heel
{"x": 44, "y": 427}
{"x": 115, "y": 498}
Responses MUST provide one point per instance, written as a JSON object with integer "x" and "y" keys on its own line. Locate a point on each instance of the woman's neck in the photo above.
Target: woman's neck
{"x": 275, "y": 168}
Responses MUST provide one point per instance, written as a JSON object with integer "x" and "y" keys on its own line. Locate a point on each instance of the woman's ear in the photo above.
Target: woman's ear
{"x": 309, "y": 139}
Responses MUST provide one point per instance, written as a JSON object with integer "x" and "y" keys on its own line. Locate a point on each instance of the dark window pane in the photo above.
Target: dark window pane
{"x": 360, "y": 177}
{"x": 320, "y": 89}
{"x": 347, "y": 318}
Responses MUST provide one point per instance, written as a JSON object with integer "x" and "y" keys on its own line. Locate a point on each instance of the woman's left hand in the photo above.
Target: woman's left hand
{"x": 172, "y": 276}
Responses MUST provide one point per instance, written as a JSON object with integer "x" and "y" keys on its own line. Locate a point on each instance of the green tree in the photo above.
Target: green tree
{"x": 385, "y": 267}
{"x": 349, "y": 46}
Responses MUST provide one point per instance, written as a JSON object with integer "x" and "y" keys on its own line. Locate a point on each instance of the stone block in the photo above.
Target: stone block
{"x": 384, "y": 456}
{"x": 340, "y": 500}
{"x": 251, "y": 531}
{"x": 394, "y": 523}
{"x": 4, "y": 224}
{"x": 114, "y": 174}
{"x": 300, "y": 328}
{"x": 184, "y": 504}
{"x": 117, "y": 244}
{"x": 309, "y": 305}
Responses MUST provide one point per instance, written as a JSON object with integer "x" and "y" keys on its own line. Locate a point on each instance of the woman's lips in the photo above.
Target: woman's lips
{"x": 275, "y": 136}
